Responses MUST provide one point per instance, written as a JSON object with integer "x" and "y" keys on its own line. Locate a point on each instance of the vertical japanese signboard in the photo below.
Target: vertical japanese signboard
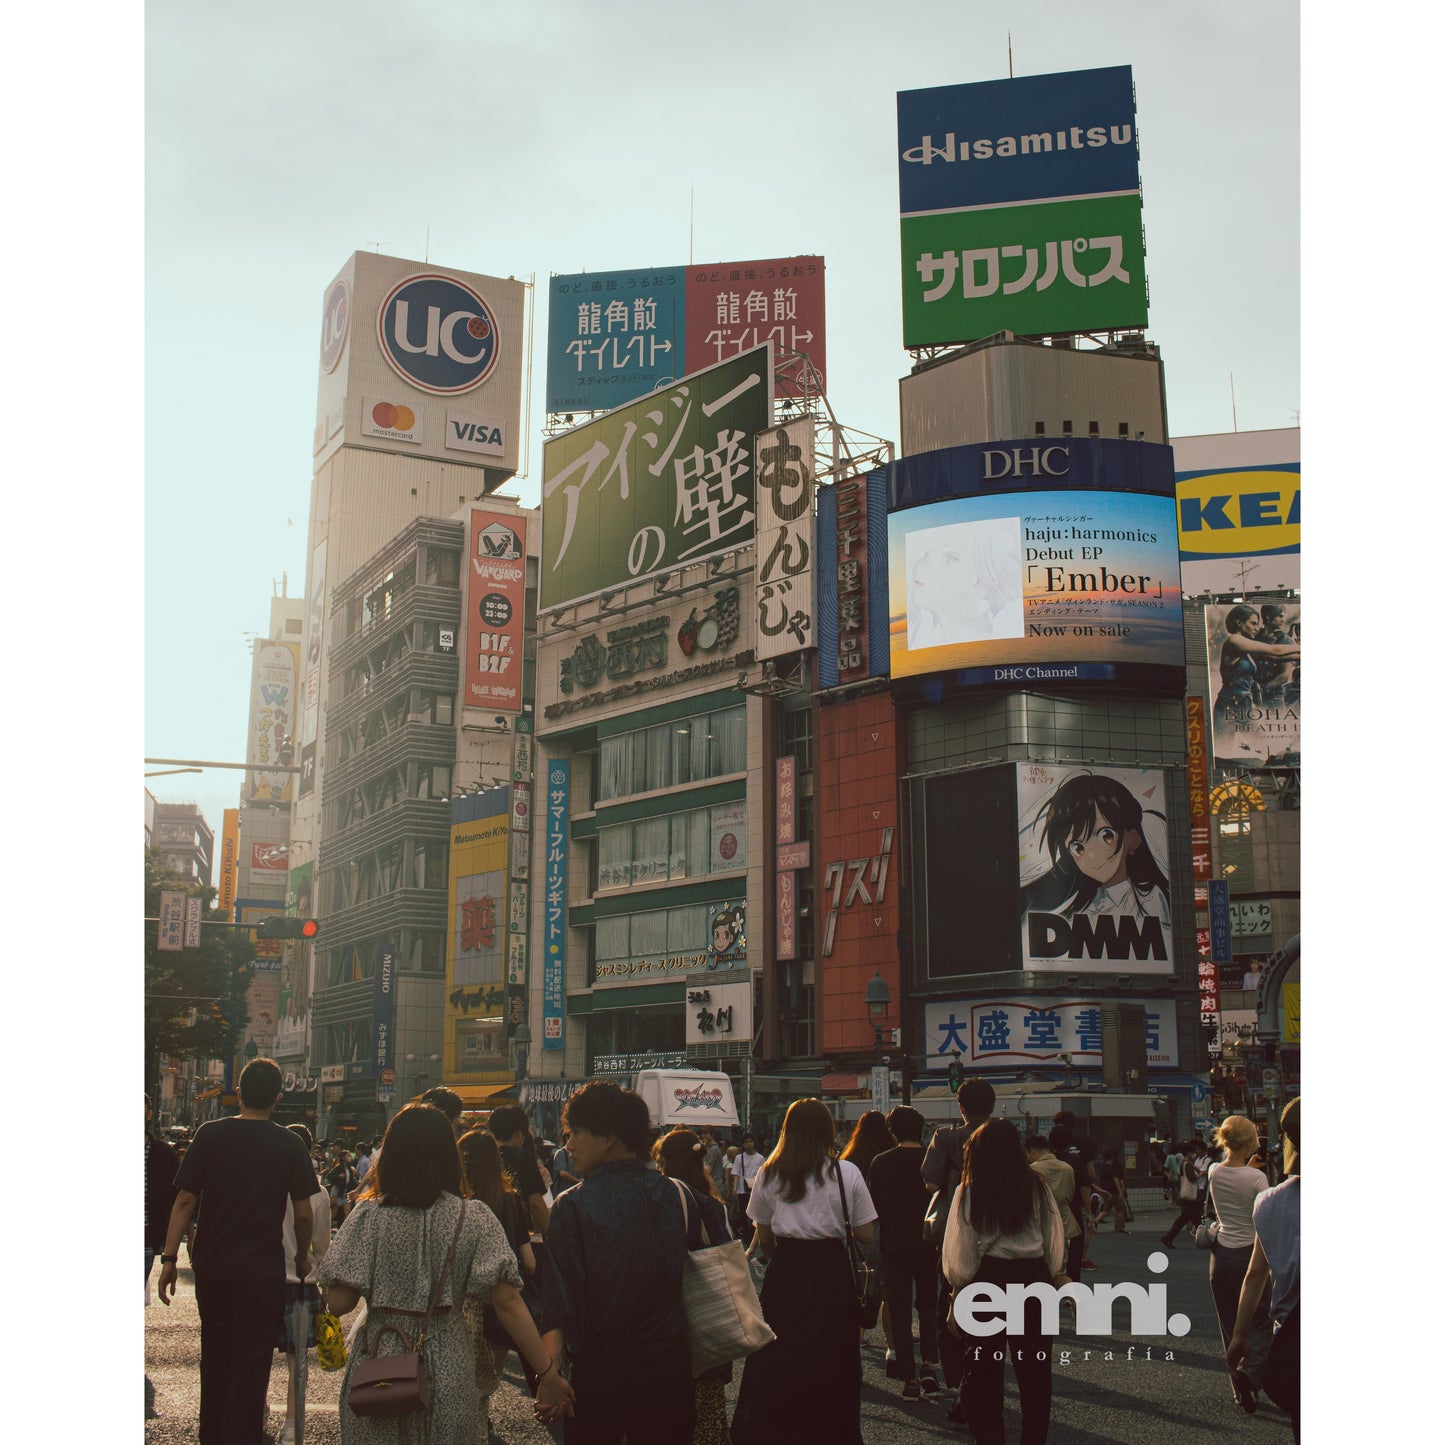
{"x": 656, "y": 483}
{"x": 852, "y": 498}
{"x": 311, "y": 694}
{"x": 554, "y": 910}
{"x": 1200, "y": 842}
{"x": 193, "y": 922}
{"x": 274, "y": 695}
{"x": 787, "y": 540}
{"x": 383, "y": 1007}
{"x": 496, "y": 590}
{"x": 789, "y": 857}
{"x": 1221, "y": 946}
{"x": 172, "y": 931}
{"x": 1020, "y": 207}
{"x": 230, "y": 846}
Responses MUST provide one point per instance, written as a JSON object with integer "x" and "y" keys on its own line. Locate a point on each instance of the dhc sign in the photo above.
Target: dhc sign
{"x": 438, "y": 334}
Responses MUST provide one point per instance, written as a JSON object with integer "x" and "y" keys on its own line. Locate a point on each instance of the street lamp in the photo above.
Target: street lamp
{"x": 522, "y": 1040}
{"x": 877, "y": 998}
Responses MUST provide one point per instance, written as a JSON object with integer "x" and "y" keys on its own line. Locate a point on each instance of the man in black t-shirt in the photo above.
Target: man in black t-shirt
{"x": 510, "y": 1128}
{"x": 240, "y": 1171}
{"x": 910, "y": 1262}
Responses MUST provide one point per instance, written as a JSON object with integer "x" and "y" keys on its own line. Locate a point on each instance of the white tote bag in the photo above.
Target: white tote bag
{"x": 724, "y": 1319}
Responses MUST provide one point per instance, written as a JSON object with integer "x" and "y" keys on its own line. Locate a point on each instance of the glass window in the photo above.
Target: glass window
{"x": 442, "y": 709}
{"x": 613, "y": 936}
{"x": 650, "y": 856}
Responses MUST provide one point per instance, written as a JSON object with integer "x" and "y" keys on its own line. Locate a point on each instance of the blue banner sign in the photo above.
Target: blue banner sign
{"x": 383, "y": 1007}
{"x": 554, "y": 916}
{"x": 613, "y": 336}
{"x": 1034, "y": 138}
{"x": 1220, "y": 946}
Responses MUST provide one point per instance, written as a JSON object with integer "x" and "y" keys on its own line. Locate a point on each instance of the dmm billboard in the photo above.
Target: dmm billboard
{"x": 1020, "y": 207}
{"x": 613, "y": 336}
{"x": 662, "y": 481}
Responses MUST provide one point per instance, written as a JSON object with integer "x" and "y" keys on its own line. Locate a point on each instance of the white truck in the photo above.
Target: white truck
{"x": 688, "y": 1098}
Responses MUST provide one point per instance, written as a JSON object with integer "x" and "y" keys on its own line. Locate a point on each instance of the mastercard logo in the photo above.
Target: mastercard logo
{"x": 393, "y": 418}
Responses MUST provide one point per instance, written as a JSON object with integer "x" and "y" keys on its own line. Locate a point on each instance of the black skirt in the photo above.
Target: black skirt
{"x": 805, "y": 1387}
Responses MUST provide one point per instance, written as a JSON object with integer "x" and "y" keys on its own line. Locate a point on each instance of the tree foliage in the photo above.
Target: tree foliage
{"x": 211, "y": 980}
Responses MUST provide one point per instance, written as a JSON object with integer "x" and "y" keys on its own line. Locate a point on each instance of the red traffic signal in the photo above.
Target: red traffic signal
{"x": 278, "y": 925}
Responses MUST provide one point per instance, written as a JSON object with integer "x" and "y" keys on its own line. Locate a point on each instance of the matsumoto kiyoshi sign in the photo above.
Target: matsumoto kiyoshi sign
{"x": 662, "y": 481}
{"x": 1020, "y": 207}
{"x": 438, "y": 334}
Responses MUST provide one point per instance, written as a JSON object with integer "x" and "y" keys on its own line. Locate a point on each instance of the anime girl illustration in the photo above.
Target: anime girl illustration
{"x": 1093, "y": 831}
{"x": 728, "y": 938}
{"x": 965, "y": 583}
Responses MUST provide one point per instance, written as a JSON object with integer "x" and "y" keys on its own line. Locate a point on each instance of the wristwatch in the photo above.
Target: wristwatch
{"x": 170, "y": 1259}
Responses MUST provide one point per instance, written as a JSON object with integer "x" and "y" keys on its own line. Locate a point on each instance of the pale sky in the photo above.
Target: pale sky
{"x": 569, "y": 136}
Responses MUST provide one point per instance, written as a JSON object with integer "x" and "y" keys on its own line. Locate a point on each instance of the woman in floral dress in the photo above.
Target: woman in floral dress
{"x": 391, "y": 1250}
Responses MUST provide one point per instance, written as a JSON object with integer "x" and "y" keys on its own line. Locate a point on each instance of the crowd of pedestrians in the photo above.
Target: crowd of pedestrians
{"x": 574, "y": 1256}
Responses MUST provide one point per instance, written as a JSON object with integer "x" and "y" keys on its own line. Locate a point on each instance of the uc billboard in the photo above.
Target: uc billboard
{"x": 1020, "y": 207}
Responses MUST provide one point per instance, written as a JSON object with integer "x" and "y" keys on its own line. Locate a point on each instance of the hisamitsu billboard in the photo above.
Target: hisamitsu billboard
{"x": 1020, "y": 207}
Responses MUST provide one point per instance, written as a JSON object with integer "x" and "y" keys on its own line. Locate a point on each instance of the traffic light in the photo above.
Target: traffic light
{"x": 278, "y": 925}
{"x": 955, "y": 1075}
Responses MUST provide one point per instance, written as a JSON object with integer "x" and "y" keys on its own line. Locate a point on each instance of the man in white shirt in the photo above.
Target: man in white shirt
{"x": 745, "y": 1171}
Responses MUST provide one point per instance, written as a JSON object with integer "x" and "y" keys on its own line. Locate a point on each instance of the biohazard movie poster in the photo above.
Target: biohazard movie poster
{"x": 1094, "y": 888}
{"x": 1254, "y": 682}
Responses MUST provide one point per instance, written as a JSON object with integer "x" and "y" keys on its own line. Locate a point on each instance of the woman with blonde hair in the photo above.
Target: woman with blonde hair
{"x": 1234, "y": 1185}
{"x": 806, "y": 1384}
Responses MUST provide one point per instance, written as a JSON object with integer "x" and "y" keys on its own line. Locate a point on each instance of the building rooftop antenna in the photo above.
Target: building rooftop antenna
{"x": 1010, "y": 35}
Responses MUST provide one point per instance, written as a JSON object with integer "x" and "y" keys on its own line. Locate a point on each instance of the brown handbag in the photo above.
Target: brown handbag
{"x": 397, "y": 1384}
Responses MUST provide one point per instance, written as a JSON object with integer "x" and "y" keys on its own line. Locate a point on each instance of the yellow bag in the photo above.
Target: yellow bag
{"x": 330, "y": 1343}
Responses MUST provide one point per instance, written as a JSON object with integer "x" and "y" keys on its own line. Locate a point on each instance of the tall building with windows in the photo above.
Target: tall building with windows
{"x": 184, "y": 840}
{"x": 418, "y": 414}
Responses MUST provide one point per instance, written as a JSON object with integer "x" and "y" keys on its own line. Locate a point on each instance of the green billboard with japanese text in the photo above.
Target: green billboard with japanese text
{"x": 664, "y": 480}
{"x": 1057, "y": 266}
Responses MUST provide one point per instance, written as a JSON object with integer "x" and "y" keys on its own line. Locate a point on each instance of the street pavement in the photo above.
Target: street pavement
{"x": 1097, "y": 1401}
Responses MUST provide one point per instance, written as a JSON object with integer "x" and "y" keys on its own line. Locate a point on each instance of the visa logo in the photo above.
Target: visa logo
{"x": 479, "y": 433}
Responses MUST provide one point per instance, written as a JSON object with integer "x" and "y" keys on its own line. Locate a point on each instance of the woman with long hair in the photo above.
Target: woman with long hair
{"x": 490, "y": 1183}
{"x": 391, "y": 1251}
{"x": 1233, "y": 1186}
{"x": 870, "y": 1138}
{"x": 681, "y": 1156}
{"x": 807, "y": 1383}
{"x": 1004, "y": 1228}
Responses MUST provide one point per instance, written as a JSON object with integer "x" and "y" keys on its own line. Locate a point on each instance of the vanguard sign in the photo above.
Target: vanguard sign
{"x": 1020, "y": 207}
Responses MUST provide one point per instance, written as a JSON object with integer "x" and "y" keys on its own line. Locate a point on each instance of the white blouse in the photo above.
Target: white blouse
{"x": 819, "y": 1213}
{"x": 964, "y": 1248}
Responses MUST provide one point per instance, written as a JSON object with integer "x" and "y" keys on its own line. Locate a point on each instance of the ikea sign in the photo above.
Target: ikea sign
{"x": 1244, "y": 512}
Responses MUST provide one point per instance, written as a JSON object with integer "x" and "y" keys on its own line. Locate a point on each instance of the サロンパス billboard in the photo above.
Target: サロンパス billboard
{"x": 1254, "y": 681}
{"x": 658, "y": 482}
{"x": 1020, "y": 207}
{"x": 1094, "y": 868}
